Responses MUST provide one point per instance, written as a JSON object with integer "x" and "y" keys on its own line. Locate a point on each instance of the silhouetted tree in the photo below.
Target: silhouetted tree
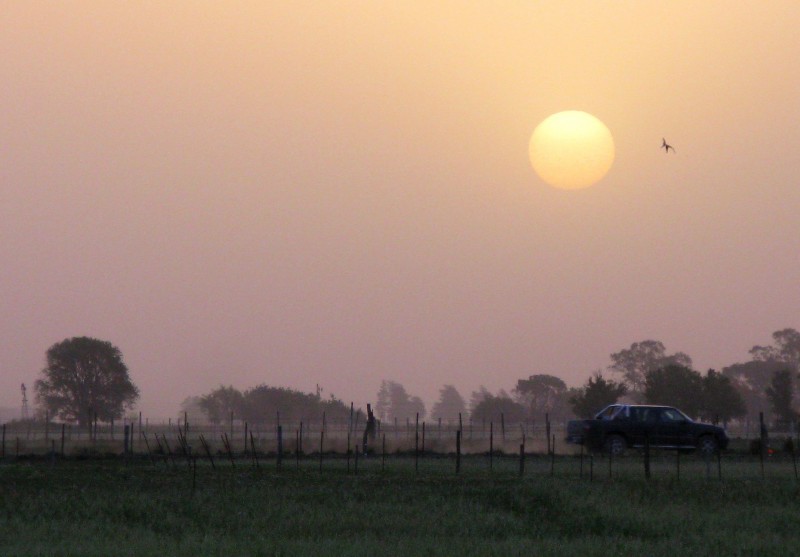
{"x": 540, "y": 394}
{"x": 675, "y": 385}
{"x": 449, "y": 405}
{"x": 395, "y": 402}
{"x": 595, "y": 395}
{"x": 720, "y": 399}
{"x": 219, "y": 403}
{"x": 85, "y": 377}
{"x": 781, "y": 396}
{"x": 633, "y": 363}
{"x": 490, "y": 408}
{"x": 751, "y": 380}
{"x": 785, "y": 350}
{"x": 192, "y": 409}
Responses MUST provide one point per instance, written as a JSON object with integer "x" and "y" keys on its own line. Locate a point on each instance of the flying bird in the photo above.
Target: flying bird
{"x": 666, "y": 146}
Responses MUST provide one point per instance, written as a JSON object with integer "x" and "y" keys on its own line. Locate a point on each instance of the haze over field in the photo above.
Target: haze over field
{"x": 306, "y": 193}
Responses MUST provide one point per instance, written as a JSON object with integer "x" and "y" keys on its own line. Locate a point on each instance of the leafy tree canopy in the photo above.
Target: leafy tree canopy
{"x": 780, "y": 395}
{"x": 675, "y": 385}
{"x": 786, "y": 349}
{"x": 540, "y": 394}
{"x": 85, "y": 377}
{"x": 493, "y": 408}
{"x": 751, "y": 379}
{"x": 449, "y": 405}
{"x": 635, "y": 362}
{"x": 720, "y": 399}
{"x": 596, "y": 394}
{"x": 394, "y": 402}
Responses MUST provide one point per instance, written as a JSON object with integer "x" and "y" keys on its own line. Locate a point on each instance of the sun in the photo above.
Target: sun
{"x": 571, "y": 150}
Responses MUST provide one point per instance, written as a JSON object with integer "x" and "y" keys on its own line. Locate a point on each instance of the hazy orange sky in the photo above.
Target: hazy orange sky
{"x": 339, "y": 193}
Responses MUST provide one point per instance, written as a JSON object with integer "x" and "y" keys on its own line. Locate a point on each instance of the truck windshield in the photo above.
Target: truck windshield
{"x": 608, "y": 413}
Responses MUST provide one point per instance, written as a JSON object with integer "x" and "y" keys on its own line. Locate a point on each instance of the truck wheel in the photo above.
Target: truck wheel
{"x": 615, "y": 445}
{"x": 707, "y": 445}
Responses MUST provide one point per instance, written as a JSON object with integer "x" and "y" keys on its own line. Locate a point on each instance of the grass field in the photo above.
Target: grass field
{"x": 108, "y": 507}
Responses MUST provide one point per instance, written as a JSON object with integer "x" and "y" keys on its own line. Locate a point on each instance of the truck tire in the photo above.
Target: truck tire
{"x": 707, "y": 445}
{"x": 615, "y": 445}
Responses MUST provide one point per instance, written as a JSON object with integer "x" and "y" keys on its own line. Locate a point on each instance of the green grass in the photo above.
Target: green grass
{"x": 109, "y": 508}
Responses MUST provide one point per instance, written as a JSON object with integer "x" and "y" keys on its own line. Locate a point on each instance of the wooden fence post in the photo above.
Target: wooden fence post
{"x": 458, "y": 451}
{"x": 763, "y": 441}
{"x": 348, "y": 451}
{"x": 547, "y": 430}
{"x": 491, "y": 445}
{"x": 647, "y": 456}
{"x": 522, "y": 459}
{"x": 255, "y": 455}
{"x": 321, "y": 441}
{"x": 416, "y": 444}
{"x": 3, "y": 450}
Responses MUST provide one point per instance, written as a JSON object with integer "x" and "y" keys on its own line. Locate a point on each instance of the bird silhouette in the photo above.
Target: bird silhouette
{"x": 666, "y": 146}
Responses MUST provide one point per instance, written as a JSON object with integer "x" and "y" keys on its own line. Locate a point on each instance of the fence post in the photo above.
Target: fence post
{"x": 503, "y": 427}
{"x": 522, "y": 459}
{"x": 458, "y": 451}
{"x": 125, "y": 440}
{"x": 321, "y": 441}
{"x": 647, "y": 456}
{"x": 491, "y": 445}
{"x": 297, "y": 448}
{"x": 553, "y": 457}
{"x": 383, "y": 453}
{"x": 763, "y": 440}
{"x": 547, "y": 430}
{"x": 280, "y": 446}
{"x": 416, "y": 444}
{"x": 3, "y": 450}
{"x": 348, "y": 451}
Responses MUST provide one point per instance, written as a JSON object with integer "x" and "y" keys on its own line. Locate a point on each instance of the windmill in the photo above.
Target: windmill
{"x": 25, "y": 410}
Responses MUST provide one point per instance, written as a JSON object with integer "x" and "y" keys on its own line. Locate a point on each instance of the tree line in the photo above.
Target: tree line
{"x": 86, "y": 380}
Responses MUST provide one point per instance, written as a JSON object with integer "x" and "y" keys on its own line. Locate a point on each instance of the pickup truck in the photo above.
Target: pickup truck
{"x": 620, "y": 426}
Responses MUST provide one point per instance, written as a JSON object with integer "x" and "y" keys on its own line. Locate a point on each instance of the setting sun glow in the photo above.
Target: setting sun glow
{"x": 571, "y": 150}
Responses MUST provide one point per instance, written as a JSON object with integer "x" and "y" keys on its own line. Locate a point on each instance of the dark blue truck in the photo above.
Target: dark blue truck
{"x": 620, "y": 426}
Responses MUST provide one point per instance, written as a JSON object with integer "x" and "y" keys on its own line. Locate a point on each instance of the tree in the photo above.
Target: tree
{"x": 675, "y": 385}
{"x": 780, "y": 396}
{"x": 449, "y": 405}
{"x": 85, "y": 377}
{"x": 491, "y": 408}
{"x": 221, "y": 402}
{"x": 634, "y": 362}
{"x": 395, "y": 402}
{"x": 595, "y": 395}
{"x": 539, "y": 394}
{"x": 751, "y": 380}
{"x": 192, "y": 410}
{"x": 720, "y": 399}
{"x": 786, "y": 349}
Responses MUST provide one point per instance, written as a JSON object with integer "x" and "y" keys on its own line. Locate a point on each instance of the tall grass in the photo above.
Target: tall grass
{"x": 109, "y": 508}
